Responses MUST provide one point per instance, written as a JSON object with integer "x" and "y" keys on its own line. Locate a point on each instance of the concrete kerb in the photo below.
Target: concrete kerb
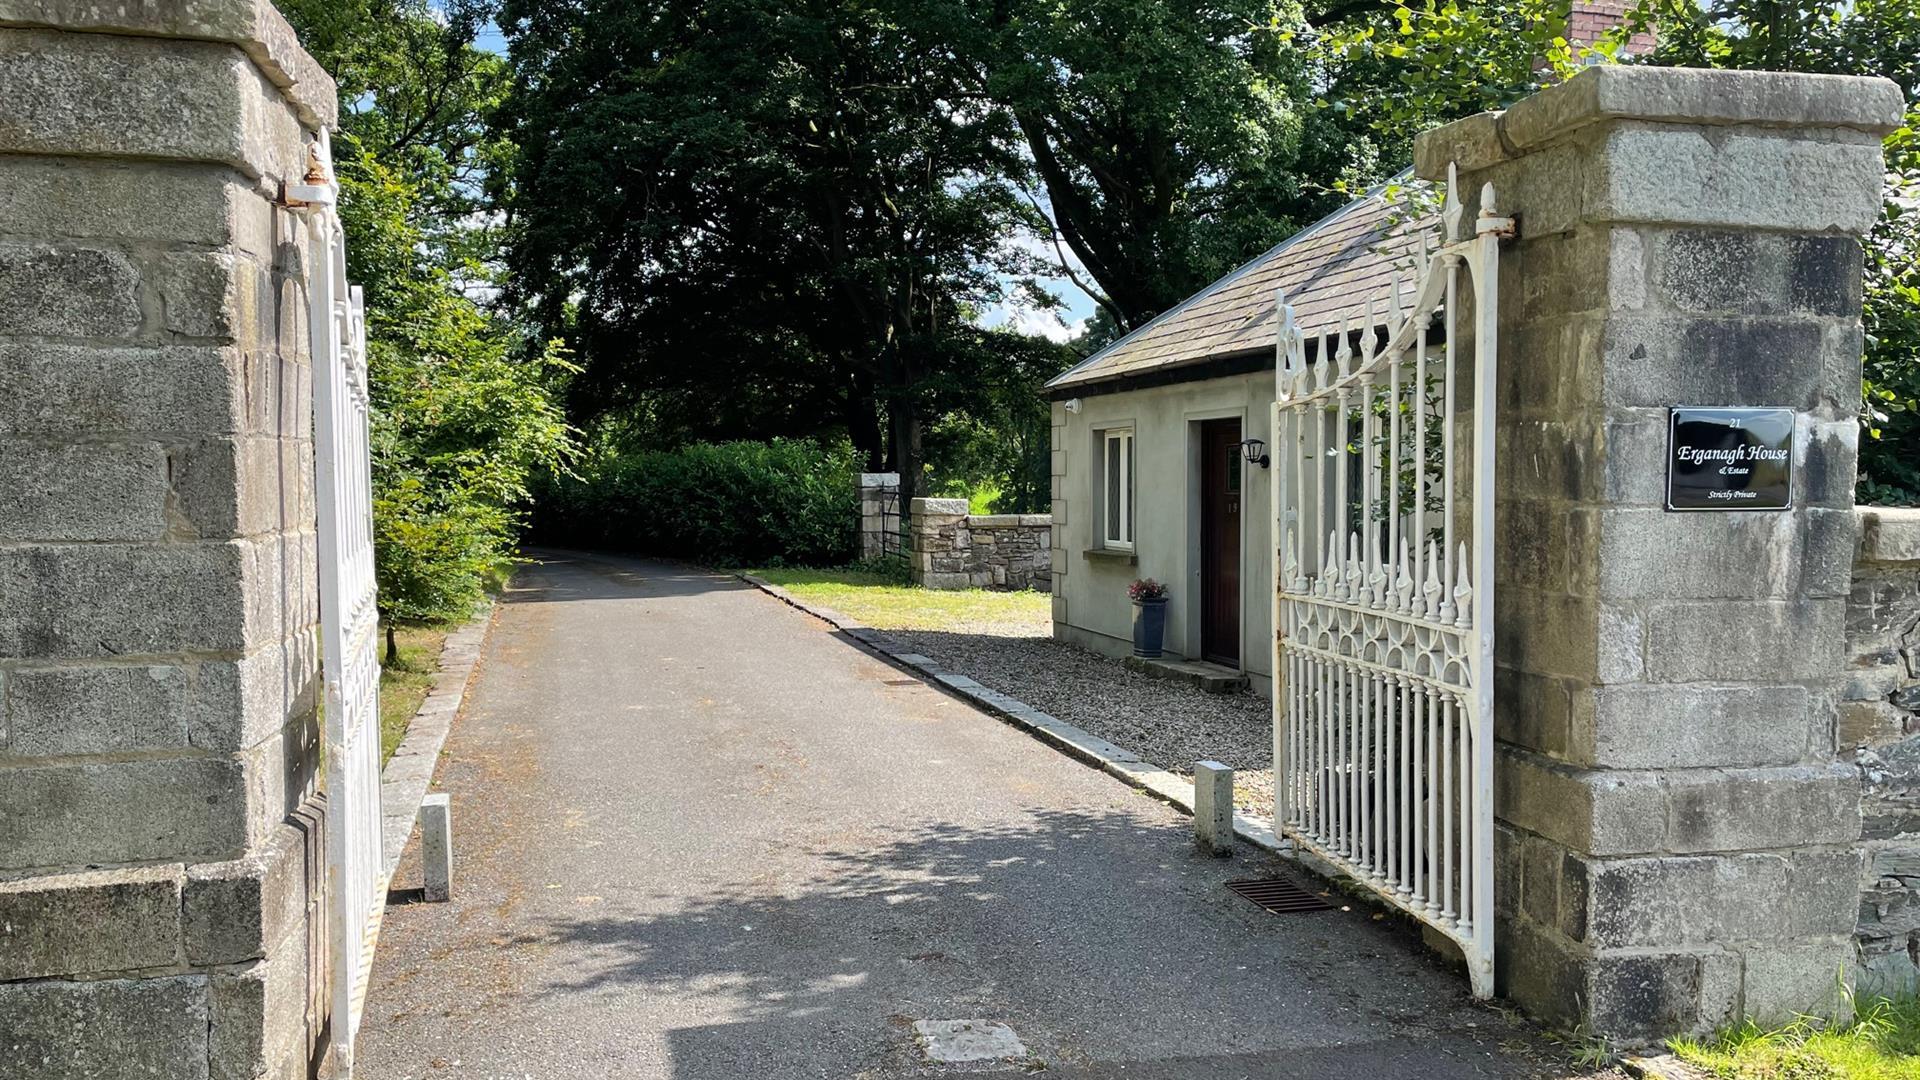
{"x": 1659, "y": 1067}
{"x": 409, "y": 773}
{"x": 1115, "y": 761}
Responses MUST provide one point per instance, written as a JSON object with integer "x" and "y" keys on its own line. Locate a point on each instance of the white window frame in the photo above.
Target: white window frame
{"x": 1116, "y": 531}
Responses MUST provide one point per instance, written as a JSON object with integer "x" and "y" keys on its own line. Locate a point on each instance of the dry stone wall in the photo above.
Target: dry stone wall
{"x": 161, "y": 845}
{"x": 953, "y": 549}
{"x": 1879, "y": 729}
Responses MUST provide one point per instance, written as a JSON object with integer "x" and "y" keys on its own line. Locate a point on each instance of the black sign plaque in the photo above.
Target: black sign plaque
{"x": 1730, "y": 459}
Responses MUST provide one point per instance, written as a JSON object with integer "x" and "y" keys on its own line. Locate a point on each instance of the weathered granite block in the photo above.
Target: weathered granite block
{"x": 101, "y": 600}
{"x": 82, "y": 492}
{"x": 69, "y": 95}
{"x": 68, "y": 292}
{"x": 254, "y": 26}
{"x": 98, "y": 921}
{"x": 1594, "y": 812}
{"x": 258, "y": 1024}
{"x": 90, "y": 390}
{"x": 113, "y": 707}
{"x": 93, "y": 199}
{"x": 1749, "y": 809}
{"x": 109, "y": 1029}
{"x": 93, "y": 812}
{"x": 1756, "y": 641}
{"x": 1647, "y": 726}
{"x": 235, "y": 911}
{"x": 225, "y": 487}
{"x": 1673, "y": 900}
{"x": 1783, "y": 980}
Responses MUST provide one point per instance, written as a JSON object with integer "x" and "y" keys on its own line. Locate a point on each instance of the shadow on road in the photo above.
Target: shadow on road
{"x": 1102, "y": 941}
{"x": 613, "y": 578}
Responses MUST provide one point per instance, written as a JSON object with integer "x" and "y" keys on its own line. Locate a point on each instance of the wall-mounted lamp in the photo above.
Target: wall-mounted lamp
{"x": 1255, "y": 451}
{"x": 1073, "y": 405}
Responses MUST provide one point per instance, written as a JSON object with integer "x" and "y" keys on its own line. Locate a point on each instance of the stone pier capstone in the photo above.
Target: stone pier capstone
{"x": 161, "y": 847}
{"x": 1677, "y": 844}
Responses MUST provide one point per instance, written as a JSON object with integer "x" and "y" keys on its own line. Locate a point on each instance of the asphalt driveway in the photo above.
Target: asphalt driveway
{"x": 702, "y": 837}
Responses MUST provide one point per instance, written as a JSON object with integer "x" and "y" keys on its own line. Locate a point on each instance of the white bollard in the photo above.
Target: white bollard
{"x": 1213, "y": 807}
{"x": 436, "y": 846}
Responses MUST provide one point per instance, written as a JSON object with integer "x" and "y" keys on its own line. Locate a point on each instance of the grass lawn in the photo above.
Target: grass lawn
{"x": 404, "y": 686}
{"x": 1883, "y": 1043}
{"x": 885, "y": 604}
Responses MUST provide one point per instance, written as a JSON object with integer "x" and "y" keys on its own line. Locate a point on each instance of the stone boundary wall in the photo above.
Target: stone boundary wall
{"x": 1879, "y": 729}
{"x": 953, "y": 549}
{"x": 162, "y": 850}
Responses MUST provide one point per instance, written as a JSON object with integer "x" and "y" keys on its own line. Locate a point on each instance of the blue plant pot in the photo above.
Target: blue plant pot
{"x": 1149, "y": 627}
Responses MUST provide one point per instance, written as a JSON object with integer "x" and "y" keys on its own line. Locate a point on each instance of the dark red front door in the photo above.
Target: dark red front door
{"x": 1220, "y": 475}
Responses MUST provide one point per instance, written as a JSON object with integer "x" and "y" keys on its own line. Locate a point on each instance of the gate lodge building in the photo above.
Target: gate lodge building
{"x": 1160, "y": 435}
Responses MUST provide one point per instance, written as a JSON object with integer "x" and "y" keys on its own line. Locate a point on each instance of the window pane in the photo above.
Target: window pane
{"x": 1114, "y": 508}
{"x": 1127, "y": 494}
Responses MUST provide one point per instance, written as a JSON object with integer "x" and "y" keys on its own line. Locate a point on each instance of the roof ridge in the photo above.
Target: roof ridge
{"x": 1264, "y": 260}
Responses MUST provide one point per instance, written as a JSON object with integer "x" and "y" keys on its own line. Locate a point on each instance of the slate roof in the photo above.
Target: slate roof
{"x": 1329, "y": 270}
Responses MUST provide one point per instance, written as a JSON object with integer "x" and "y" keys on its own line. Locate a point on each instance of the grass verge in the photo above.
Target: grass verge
{"x": 1881, "y": 1043}
{"x": 882, "y": 602}
{"x": 403, "y": 686}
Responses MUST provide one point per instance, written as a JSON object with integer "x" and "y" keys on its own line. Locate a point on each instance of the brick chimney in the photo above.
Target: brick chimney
{"x": 1589, "y": 20}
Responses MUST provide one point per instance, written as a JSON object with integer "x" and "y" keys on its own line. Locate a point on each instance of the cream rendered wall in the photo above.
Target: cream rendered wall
{"x": 1091, "y": 608}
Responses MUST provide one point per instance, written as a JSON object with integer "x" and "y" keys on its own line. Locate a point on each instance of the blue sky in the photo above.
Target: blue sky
{"x": 491, "y": 39}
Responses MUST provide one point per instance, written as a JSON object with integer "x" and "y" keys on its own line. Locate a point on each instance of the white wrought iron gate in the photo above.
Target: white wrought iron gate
{"x": 349, "y": 620}
{"x": 1383, "y": 614}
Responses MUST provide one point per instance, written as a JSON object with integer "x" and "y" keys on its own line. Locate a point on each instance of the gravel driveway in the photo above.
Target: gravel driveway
{"x": 1167, "y": 723}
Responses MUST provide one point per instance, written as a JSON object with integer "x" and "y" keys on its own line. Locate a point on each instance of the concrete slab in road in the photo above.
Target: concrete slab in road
{"x": 701, "y": 837}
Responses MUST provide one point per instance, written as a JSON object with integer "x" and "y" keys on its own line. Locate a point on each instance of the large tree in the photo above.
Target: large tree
{"x": 1167, "y": 140}
{"x": 758, "y": 217}
{"x": 463, "y": 411}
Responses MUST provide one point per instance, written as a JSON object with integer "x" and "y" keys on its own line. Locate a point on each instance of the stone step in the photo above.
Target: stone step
{"x": 1213, "y": 678}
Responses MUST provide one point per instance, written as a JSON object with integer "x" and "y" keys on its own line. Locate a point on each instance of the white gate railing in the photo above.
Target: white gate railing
{"x": 1383, "y": 650}
{"x": 349, "y": 619}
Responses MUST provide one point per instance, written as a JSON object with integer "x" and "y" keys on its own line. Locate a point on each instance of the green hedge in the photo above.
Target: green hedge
{"x": 726, "y": 504}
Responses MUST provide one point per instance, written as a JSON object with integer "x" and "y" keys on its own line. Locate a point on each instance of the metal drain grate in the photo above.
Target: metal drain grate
{"x": 1278, "y": 895}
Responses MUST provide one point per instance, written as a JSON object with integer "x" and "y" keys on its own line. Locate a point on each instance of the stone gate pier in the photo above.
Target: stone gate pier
{"x": 161, "y": 857}
{"x": 1679, "y": 845}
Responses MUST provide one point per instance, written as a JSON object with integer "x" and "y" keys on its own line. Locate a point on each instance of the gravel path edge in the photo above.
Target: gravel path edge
{"x": 1116, "y": 761}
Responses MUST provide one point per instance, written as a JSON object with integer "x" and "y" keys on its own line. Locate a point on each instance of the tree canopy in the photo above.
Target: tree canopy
{"x": 760, "y": 216}
{"x": 462, "y": 406}
{"x": 768, "y": 217}
{"x": 1171, "y": 140}
{"x": 762, "y": 219}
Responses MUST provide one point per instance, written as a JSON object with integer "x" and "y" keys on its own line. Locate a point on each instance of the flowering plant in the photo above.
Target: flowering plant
{"x": 1147, "y": 589}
